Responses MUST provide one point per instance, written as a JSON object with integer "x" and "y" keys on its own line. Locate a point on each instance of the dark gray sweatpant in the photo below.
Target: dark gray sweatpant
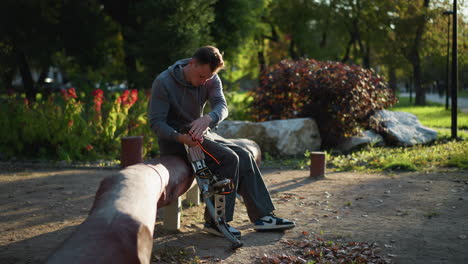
{"x": 238, "y": 164}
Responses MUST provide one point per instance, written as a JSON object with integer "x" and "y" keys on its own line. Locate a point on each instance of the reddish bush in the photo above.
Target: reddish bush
{"x": 340, "y": 97}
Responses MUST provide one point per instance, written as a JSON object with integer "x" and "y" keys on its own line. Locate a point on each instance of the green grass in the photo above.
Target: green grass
{"x": 441, "y": 155}
{"x": 433, "y": 115}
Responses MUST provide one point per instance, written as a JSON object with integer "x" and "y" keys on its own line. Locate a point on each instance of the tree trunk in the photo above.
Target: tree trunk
{"x": 261, "y": 61}
{"x": 392, "y": 82}
{"x": 348, "y": 50}
{"x": 292, "y": 51}
{"x": 130, "y": 64}
{"x": 7, "y": 78}
{"x": 414, "y": 57}
{"x": 366, "y": 60}
{"x": 419, "y": 89}
{"x": 25, "y": 71}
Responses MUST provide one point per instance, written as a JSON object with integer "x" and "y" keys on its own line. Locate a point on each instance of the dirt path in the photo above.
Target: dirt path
{"x": 414, "y": 217}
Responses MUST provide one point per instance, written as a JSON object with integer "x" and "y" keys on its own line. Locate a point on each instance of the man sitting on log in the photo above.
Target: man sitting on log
{"x": 178, "y": 97}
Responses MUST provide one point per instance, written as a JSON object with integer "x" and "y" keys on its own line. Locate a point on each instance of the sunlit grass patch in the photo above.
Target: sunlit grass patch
{"x": 459, "y": 160}
{"x": 439, "y": 155}
{"x": 427, "y": 158}
{"x": 433, "y": 115}
{"x": 399, "y": 165}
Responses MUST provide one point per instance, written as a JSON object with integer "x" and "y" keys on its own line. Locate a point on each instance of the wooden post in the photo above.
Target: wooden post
{"x": 171, "y": 215}
{"x": 193, "y": 195}
{"x": 132, "y": 151}
{"x": 317, "y": 164}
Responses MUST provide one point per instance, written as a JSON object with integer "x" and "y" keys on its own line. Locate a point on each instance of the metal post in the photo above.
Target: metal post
{"x": 454, "y": 72}
{"x": 447, "y": 79}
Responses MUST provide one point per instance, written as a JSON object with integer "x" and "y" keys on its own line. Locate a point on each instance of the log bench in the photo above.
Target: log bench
{"x": 120, "y": 225}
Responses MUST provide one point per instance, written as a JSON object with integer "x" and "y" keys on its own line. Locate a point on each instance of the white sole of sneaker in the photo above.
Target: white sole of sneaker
{"x": 274, "y": 228}
{"x": 217, "y": 233}
{"x": 213, "y": 232}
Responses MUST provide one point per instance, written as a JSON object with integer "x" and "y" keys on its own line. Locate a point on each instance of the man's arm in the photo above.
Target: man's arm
{"x": 218, "y": 113}
{"x": 158, "y": 110}
{"x": 219, "y": 109}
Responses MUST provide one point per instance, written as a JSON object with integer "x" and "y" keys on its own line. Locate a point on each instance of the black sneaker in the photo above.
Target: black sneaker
{"x": 213, "y": 229}
{"x": 270, "y": 222}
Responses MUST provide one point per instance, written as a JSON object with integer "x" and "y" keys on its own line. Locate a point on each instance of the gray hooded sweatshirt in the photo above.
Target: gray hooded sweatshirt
{"x": 175, "y": 103}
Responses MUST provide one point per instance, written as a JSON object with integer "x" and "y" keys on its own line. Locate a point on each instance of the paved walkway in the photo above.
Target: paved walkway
{"x": 462, "y": 102}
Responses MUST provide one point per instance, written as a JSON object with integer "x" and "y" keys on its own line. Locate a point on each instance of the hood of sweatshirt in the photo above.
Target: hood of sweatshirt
{"x": 176, "y": 71}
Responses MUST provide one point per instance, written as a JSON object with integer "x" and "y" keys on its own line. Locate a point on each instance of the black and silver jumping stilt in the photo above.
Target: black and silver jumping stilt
{"x": 213, "y": 191}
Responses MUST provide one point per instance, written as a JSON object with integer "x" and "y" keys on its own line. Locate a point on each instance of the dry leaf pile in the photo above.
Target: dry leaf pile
{"x": 315, "y": 250}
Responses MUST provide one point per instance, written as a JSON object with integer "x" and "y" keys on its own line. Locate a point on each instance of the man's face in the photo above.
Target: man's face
{"x": 201, "y": 73}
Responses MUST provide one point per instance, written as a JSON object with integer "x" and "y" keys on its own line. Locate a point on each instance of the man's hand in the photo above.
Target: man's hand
{"x": 187, "y": 140}
{"x": 200, "y": 126}
{"x": 194, "y": 151}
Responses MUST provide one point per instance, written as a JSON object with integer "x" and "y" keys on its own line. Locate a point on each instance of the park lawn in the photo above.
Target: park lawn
{"x": 440, "y": 155}
{"x": 433, "y": 115}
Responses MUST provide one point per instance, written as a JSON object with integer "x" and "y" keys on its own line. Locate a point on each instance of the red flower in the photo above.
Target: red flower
{"x": 124, "y": 97}
{"x": 72, "y": 93}
{"x": 89, "y": 147}
{"x": 128, "y": 98}
{"x": 98, "y": 93}
{"x": 98, "y": 99}
{"x": 70, "y": 123}
{"x": 26, "y": 101}
{"x": 133, "y": 98}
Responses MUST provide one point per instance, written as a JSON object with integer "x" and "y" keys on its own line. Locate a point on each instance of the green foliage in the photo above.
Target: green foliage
{"x": 236, "y": 21}
{"x": 166, "y": 31}
{"x": 78, "y": 30}
{"x": 67, "y": 127}
{"x": 238, "y": 105}
{"x": 340, "y": 97}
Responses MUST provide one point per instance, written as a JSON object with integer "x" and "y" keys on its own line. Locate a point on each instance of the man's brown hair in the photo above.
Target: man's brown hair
{"x": 210, "y": 55}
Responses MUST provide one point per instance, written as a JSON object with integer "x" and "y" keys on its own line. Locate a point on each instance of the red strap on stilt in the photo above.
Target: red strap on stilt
{"x": 204, "y": 150}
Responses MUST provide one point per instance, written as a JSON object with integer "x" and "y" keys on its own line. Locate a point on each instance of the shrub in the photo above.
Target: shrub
{"x": 340, "y": 97}
{"x": 73, "y": 128}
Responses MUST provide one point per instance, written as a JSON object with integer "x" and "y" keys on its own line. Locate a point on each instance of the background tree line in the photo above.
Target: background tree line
{"x": 98, "y": 41}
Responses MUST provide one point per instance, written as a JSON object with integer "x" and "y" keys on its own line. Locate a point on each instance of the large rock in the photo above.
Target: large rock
{"x": 402, "y": 129}
{"x": 367, "y": 137}
{"x": 278, "y": 137}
